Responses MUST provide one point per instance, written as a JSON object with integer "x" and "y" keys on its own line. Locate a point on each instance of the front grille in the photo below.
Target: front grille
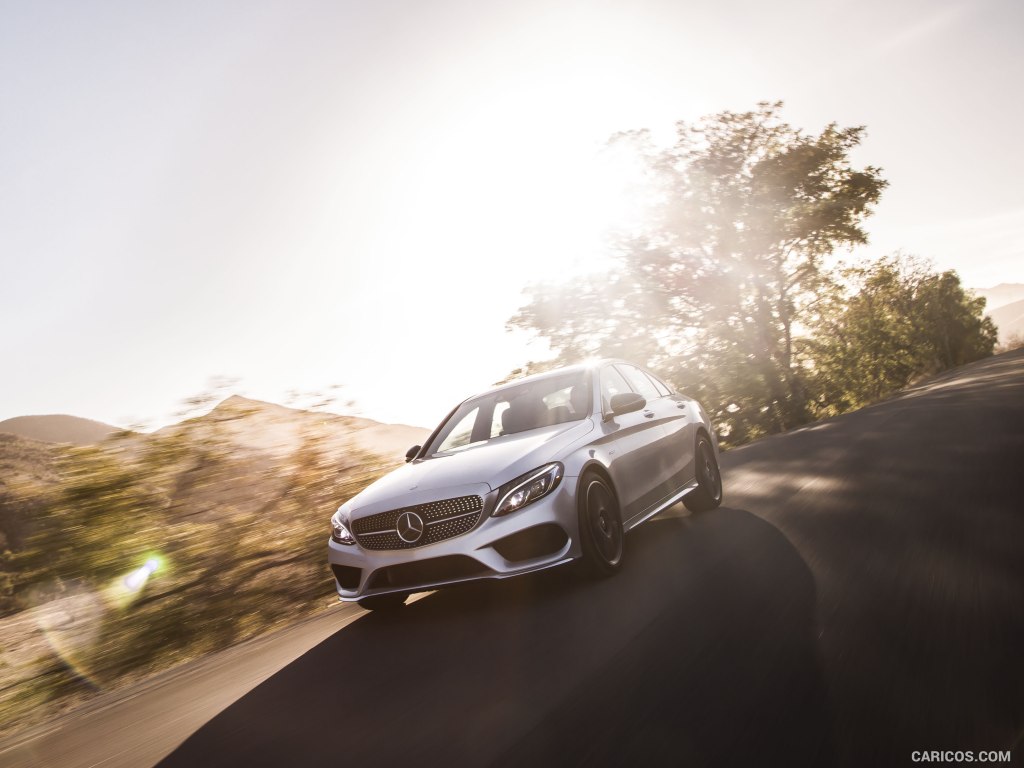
{"x": 443, "y": 519}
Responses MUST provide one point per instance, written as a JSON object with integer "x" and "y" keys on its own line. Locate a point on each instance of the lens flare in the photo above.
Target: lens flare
{"x": 72, "y": 625}
{"x": 70, "y": 617}
{"x": 137, "y": 579}
{"x": 125, "y": 589}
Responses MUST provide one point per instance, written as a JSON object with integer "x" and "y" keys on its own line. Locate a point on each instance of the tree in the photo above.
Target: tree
{"x": 952, "y": 326}
{"x": 714, "y": 291}
{"x": 897, "y": 320}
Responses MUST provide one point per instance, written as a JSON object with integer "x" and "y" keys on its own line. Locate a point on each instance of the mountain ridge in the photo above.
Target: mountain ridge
{"x": 1009, "y": 319}
{"x": 1000, "y": 295}
{"x": 64, "y": 429}
{"x": 58, "y": 428}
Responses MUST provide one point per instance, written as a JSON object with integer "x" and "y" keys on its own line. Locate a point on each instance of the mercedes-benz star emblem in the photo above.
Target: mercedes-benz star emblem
{"x": 410, "y": 527}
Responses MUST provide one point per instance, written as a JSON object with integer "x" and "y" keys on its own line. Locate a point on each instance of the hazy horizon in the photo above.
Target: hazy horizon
{"x": 318, "y": 193}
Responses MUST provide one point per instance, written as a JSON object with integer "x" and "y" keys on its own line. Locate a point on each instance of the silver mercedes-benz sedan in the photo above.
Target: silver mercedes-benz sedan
{"x": 541, "y": 471}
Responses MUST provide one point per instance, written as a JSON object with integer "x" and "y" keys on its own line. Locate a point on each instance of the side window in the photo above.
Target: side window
{"x": 559, "y": 406}
{"x": 612, "y": 383}
{"x": 639, "y": 382}
{"x": 658, "y": 383}
{"x": 461, "y": 433}
{"x": 557, "y": 399}
{"x": 497, "y": 425}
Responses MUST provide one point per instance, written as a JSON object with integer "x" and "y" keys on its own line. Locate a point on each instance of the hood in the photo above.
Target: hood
{"x": 475, "y": 470}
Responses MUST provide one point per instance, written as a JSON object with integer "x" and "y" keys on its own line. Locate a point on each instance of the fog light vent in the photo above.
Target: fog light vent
{"x": 347, "y": 576}
{"x": 539, "y": 541}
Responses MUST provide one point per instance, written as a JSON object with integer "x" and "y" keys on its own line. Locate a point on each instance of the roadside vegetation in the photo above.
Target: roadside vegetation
{"x": 734, "y": 288}
{"x": 1013, "y": 341}
{"x": 144, "y": 551}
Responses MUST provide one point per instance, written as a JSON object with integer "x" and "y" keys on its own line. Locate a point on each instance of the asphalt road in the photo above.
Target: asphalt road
{"x": 859, "y": 596}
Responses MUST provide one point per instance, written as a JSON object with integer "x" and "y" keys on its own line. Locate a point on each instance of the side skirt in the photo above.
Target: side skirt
{"x": 660, "y": 506}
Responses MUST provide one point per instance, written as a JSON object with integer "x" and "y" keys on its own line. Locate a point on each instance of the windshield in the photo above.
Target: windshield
{"x": 517, "y": 408}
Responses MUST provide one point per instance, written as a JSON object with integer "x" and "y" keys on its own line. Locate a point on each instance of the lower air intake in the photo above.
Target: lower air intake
{"x": 425, "y": 572}
{"x": 539, "y": 541}
{"x": 347, "y": 576}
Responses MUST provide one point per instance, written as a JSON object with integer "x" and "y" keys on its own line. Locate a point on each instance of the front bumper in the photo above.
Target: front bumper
{"x": 542, "y": 535}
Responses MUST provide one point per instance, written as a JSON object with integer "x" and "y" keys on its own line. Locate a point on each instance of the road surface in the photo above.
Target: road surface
{"x": 858, "y": 597}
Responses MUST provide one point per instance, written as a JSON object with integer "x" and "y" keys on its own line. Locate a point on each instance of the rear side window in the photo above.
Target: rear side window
{"x": 639, "y": 382}
{"x": 660, "y": 385}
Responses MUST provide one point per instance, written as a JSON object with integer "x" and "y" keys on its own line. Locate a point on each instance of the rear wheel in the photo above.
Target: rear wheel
{"x": 708, "y": 493}
{"x": 390, "y": 602}
{"x": 600, "y": 526}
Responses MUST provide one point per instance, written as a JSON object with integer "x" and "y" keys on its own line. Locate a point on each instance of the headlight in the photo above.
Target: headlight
{"x": 526, "y": 489}
{"x": 339, "y": 528}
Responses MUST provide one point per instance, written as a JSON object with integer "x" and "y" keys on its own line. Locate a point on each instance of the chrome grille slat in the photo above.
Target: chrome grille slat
{"x": 449, "y": 519}
{"x": 444, "y": 519}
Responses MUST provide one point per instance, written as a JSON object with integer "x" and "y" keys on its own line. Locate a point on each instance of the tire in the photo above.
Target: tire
{"x": 390, "y": 602}
{"x": 708, "y": 493}
{"x": 600, "y": 525}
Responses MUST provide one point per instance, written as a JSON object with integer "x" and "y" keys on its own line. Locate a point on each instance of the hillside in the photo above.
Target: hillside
{"x": 232, "y": 507}
{"x": 1000, "y": 295}
{"x": 1009, "y": 318}
{"x": 1004, "y": 304}
{"x": 58, "y": 428}
{"x": 26, "y": 461}
{"x": 268, "y": 428}
{"x": 232, "y": 460}
{"x": 24, "y": 464}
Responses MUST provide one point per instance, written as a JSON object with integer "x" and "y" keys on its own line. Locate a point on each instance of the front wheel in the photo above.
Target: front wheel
{"x": 601, "y": 533}
{"x": 708, "y": 493}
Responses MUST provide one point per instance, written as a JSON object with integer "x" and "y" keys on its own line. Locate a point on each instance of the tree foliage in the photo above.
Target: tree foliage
{"x": 713, "y": 291}
{"x": 897, "y": 320}
{"x": 731, "y": 273}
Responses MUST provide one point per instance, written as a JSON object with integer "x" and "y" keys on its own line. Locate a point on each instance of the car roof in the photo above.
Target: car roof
{"x": 574, "y": 368}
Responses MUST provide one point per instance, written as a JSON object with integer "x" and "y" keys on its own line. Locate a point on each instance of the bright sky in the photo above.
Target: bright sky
{"x": 300, "y": 194}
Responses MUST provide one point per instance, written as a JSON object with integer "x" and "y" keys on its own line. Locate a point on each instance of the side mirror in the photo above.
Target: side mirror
{"x": 626, "y": 402}
{"x": 411, "y": 453}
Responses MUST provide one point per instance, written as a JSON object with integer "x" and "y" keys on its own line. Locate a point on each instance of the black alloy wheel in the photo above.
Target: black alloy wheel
{"x": 708, "y": 493}
{"x": 600, "y": 526}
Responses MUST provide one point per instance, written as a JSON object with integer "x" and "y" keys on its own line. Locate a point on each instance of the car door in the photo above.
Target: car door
{"x": 676, "y": 413}
{"x": 670, "y": 457}
{"x": 631, "y": 444}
